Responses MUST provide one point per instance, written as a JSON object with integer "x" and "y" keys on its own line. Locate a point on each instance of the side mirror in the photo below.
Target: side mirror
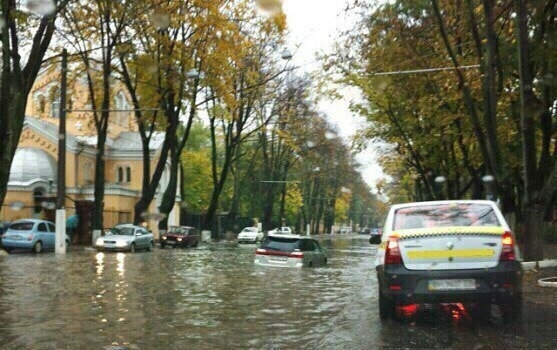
{"x": 375, "y": 239}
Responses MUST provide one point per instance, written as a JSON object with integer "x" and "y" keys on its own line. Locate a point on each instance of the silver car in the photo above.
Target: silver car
{"x": 126, "y": 237}
{"x": 287, "y": 250}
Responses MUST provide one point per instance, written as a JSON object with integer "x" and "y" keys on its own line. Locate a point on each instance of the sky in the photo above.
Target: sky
{"x": 314, "y": 26}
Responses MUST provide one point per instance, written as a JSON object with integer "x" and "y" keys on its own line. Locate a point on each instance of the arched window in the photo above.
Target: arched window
{"x": 123, "y": 174}
{"x": 38, "y": 197}
{"x": 87, "y": 171}
{"x": 55, "y": 102}
{"x": 121, "y": 104}
{"x": 41, "y": 105}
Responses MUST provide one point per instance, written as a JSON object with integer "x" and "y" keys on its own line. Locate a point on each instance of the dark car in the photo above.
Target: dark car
{"x": 458, "y": 251}
{"x": 288, "y": 250}
{"x": 375, "y": 235}
{"x": 180, "y": 236}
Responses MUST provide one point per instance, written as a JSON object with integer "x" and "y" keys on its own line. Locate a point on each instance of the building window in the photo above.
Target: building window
{"x": 124, "y": 174}
{"x": 121, "y": 105}
{"x": 42, "y": 105}
{"x": 54, "y": 96}
{"x": 87, "y": 171}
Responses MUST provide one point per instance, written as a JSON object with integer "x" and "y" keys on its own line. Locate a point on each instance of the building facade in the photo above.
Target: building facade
{"x": 33, "y": 175}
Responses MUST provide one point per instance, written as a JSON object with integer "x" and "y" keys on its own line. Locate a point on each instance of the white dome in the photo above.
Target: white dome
{"x": 32, "y": 163}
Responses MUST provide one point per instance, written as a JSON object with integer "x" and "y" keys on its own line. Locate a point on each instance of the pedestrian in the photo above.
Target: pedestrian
{"x": 71, "y": 227}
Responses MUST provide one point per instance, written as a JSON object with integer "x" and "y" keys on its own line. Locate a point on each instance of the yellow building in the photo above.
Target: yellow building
{"x": 33, "y": 175}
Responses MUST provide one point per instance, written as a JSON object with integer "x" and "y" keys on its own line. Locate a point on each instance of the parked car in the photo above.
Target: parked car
{"x": 345, "y": 230}
{"x": 250, "y": 235}
{"x": 375, "y": 235}
{"x": 365, "y": 231}
{"x": 30, "y": 234}
{"x": 288, "y": 250}
{"x": 458, "y": 251}
{"x": 281, "y": 230}
{"x": 180, "y": 236}
{"x": 126, "y": 237}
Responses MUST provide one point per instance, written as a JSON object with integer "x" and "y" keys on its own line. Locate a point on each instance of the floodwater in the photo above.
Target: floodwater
{"x": 214, "y": 297}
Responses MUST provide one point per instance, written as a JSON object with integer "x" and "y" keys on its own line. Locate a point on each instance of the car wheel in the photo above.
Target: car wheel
{"x": 132, "y": 248}
{"x": 386, "y": 308}
{"x": 8, "y": 250}
{"x": 162, "y": 245}
{"x": 512, "y": 309}
{"x": 38, "y": 247}
{"x": 151, "y": 246}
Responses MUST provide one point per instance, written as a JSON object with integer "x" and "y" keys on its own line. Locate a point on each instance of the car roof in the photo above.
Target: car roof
{"x": 128, "y": 225}
{"x": 444, "y": 202}
{"x": 30, "y": 220}
{"x": 288, "y": 235}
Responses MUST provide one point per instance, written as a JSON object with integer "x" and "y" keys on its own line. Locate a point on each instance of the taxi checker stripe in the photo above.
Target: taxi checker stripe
{"x": 463, "y": 253}
{"x": 445, "y": 231}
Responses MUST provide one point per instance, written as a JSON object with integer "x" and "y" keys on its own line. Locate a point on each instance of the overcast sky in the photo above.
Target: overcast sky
{"x": 314, "y": 26}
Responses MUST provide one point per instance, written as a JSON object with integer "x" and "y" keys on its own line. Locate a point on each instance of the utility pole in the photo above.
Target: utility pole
{"x": 60, "y": 241}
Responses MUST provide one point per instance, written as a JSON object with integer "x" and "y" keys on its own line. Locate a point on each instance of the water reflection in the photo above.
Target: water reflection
{"x": 208, "y": 297}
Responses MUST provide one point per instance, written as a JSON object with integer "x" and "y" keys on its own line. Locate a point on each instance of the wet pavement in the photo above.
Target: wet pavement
{"x": 214, "y": 297}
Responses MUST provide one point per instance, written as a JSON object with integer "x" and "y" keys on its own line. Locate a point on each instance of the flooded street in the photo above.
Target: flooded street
{"x": 214, "y": 297}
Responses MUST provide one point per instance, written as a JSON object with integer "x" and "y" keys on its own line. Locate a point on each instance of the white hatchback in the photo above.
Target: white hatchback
{"x": 458, "y": 251}
{"x": 250, "y": 235}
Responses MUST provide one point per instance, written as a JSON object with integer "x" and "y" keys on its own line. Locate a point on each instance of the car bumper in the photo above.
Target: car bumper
{"x": 17, "y": 244}
{"x": 500, "y": 283}
{"x": 247, "y": 240}
{"x": 112, "y": 248}
{"x": 290, "y": 263}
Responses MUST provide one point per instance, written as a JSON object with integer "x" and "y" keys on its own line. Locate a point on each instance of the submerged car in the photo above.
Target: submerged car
{"x": 126, "y": 237}
{"x": 180, "y": 236}
{"x": 250, "y": 235}
{"x": 280, "y": 250}
{"x": 458, "y": 251}
{"x": 30, "y": 234}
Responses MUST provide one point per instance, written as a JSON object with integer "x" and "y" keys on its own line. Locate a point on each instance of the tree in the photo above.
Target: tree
{"x": 26, "y": 36}
{"x": 101, "y": 22}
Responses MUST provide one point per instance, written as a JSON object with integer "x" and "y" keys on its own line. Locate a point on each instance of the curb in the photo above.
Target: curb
{"x": 531, "y": 265}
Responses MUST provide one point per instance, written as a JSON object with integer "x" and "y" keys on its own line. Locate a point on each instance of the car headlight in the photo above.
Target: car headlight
{"x": 179, "y": 239}
{"x": 163, "y": 238}
{"x": 99, "y": 241}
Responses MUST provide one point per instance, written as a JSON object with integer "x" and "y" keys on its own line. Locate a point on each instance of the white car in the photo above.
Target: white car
{"x": 281, "y": 230}
{"x": 250, "y": 235}
{"x": 455, "y": 251}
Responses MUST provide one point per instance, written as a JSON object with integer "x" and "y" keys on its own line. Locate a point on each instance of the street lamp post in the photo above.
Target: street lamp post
{"x": 440, "y": 181}
{"x": 488, "y": 182}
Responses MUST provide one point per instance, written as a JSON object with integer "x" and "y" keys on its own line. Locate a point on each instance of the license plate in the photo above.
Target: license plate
{"x": 170, "y": 242}
{"x": 278, "y": 258}
{"x": 452, "y": 284}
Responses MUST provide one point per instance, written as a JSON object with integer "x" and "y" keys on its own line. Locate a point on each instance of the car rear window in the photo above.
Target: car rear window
{"x": 22, "y": 226}
{"x": 281, "y": 243}
{"x": 445, "y": 215}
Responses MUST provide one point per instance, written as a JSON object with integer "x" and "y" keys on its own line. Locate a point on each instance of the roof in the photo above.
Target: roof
{"x": 125, "y": 142}
{"x": 30, "y": 164}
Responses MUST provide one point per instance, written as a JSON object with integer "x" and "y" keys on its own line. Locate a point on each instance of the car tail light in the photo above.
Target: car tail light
{"x": 392, "y": 252}
{"x": 296, "y": 255}
{"x": 507, "y": 252}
